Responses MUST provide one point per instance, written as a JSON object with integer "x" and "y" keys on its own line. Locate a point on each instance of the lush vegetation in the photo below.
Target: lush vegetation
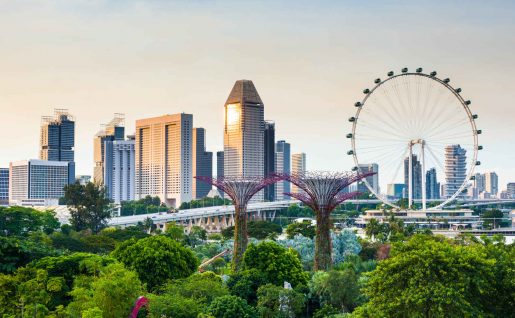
{"x": 143, "y": 206}
{"x": 53, "y": 271}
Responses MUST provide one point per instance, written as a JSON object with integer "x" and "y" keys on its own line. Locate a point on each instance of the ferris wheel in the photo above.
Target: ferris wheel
{"x": 420, "y": 133}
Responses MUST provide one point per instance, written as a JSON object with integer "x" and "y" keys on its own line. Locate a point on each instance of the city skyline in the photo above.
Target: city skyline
{"x": 93, "y": 85}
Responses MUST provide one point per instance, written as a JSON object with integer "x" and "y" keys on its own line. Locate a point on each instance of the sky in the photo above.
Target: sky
{"x": 309, "y": 61}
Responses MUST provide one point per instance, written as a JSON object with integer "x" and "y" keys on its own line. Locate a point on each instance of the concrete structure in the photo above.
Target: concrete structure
{"x": 283, "y": 165}
{"x": 120, "y": 169}
{"x": 39, "y": 182}
{"x": 83, "y": 179}
{"x": 202, "y": 164}
{"x": 114, "y": 130}
{"x": 432, "y": 185}
{"x": 244, "y": 133}
{"x": 57, "y": 137}
{"x": 455, "y": 169}
{"x": 269, "y": 160}
{"x": 298, "y": 166}
{"x": 492, "y": 183}
{"x": 396, "y": 191}
{"x": 373, "y": 181}
{"x": 164, "y": 158}
{"x": 4, "y": 186}
{"x": 417, "y": 176}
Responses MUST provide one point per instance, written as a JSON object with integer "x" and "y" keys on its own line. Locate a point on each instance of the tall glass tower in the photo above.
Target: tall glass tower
{"x": 57, "y": 137}
{"x": 244, "y": 133}
{"x": 455, "y": 169}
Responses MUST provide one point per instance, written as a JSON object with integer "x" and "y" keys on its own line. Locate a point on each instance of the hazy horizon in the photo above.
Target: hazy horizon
{"x": 308, "y": 61}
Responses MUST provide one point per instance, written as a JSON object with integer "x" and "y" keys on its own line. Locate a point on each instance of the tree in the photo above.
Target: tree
{"x": 492, "y": 218}
{"x": 204, "y": 287}
{"x": 304, "y": 228}
{"x": 277, "y": 263}
{"x": 20, "y": 221}
{"x": 245, "y": 284}
{"x": 231, "y": 307}
{"x": 157, "y": 259}
{"x": 175, "y": 306}
{"x": 340, "y": 289}
{"x": 89, "y": 206}
{"x": 196, "y": 236}
{"x": 275, "y": 301}
{"x": 256, "y": 229}
{"x": 175, "y": 232}
{"x": 429, "y": 277}
{"x": 16, "y": 252}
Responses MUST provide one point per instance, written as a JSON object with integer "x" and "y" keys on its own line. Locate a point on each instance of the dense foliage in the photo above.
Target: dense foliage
{"x": 143, "y": 206}
{"x": 256, "y": 229}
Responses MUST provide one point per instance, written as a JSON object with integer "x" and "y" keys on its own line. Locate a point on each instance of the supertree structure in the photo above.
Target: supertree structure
{"x": 240, "y": 189}
{"x": 322, "y": 192}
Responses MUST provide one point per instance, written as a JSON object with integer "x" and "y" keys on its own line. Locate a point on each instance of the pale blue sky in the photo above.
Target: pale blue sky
{"x": 308, "y": 60}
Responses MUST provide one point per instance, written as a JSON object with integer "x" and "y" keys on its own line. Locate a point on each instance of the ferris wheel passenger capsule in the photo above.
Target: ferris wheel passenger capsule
{"x": 366, "y": 91}
{"x": 478, "y": 131}
{"x": 405, "y": 70}
{"x": 357, "y": 104}
{"x": 352, "y": 119}
{"x": 475, "y": 116}
{"x": 355, "y": 168}
{"x": 473, "y": 178}
{"x": 458, "y": 90}
{"x": 377, "y": 80}
{"x": 467, "y": 102}
{"x": 446, "y": 81}
{"x": 480, "y": 147}
{"x": 349, "y": 136}
{"x": 433, "y": 74}
{"x": 478, "y": 163}
{"x": 390, "y": 73}
{"x": 419, "y": 70}
{"x": 350, "y": 152}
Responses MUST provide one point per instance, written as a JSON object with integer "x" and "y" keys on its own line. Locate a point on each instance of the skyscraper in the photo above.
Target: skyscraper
{"x": 432, "y": 185}
{"x": 510, "y": 188}
{"x": 283, "y": 165}
{"x": 269, "y": 160}
{"x": 455, "y": 169}
{"x": 57, "y": 138}
{"x": 202, "y": 164}
{"x": 114, "y": 130}
{"x": 244, "y": 133}
{"x": 373, "y": 180}
{"x": 395, "y": 191}
{"x": 479, "y": 185}
{"x": 39, "y": 182}
{"x": 119, "y": 169}
{"x": 298, "y": 166}
{"x": 492, "y": 183}
{"x": 164, "y": 158}
{"x": 4, "y": 186}
{"x": 219, "y": 164}
{"x": 416, "y": 181}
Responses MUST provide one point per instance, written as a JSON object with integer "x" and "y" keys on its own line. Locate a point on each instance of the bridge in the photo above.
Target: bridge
{"x": 216, "y": 218}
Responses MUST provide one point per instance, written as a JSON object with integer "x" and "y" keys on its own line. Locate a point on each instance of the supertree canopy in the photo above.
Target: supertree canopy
{"x": 241, "y": 190}
{"x": 323, "y": 192}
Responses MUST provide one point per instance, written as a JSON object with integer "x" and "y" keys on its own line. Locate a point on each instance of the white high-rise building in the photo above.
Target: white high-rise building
{"x": 244, "y": 133}
{"x": 119, "y": 169}
{"x": 298, "y": 165}
{"x": 455, "y": 169}
{"x": 373, "y": 180}
{"x": 164, "y": 158}
{"x": 282, "y": 165}
{"x": 39, "y": 182}
{"x": 492, "y": 183}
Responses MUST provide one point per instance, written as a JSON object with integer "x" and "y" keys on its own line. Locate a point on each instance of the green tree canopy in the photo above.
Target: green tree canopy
{"x": 304, "y": 228}
{"x": 20, "y": 221}
{"x": 277, "y": 263}
{"x": 157, "y": 259}
{"x": 231, "y": 307}
{"x": 256, "y": 229}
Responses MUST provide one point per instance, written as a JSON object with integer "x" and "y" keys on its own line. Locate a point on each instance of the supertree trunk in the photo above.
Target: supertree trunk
{"x": 240, "y": 236}
{"x": 323, "y": 246}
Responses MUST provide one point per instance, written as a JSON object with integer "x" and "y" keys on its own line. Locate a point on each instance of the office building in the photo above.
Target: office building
{"x": 432, "y": 185}
{"x": 39, "y": 182}
{"x": 219, "y": 164}
{"x": 269, "y": 160}
{"x": 416, "y": 181}
{"x": 510, "y": 188}
{"x": 114, "y": 130}
{"x": 244, "y": 133}
{"x": 119, "y": 169}
{"x": 298, "y": 166}
{"x": 396, "y": 191}
{"x": 4, "y": 186}
{"x": 283, "y": 165}
{"x": 372, "y": 180}
{"x": 455, "y": 169}
{"x": 202, "y": 164}
{"x": 57, "y": 138}
{"x": 492, "y": 183}
{"x": 164, "y": 158}
{"x": 479, "y": 185}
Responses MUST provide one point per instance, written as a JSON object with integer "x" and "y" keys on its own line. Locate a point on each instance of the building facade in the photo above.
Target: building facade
{"x": 219, "y": 164}
{"x": 202, "y": 164}
{"x": 269, "y": 160}
{"x": 112, "y": 131}
{"x": 455, "y": 169}
{"x": 373, "y": 180}
{"x": 120, "y": 169}
{"x": 479, "y": 185}
{"x": 432, "y": 185}
{"x": 283, "y": 165}
{"x": 83, "y": 179}
{"x": 164, "y": 158}
{"x": 510, "y": 189}
{"x": 396, "y": 191}
{"x": 244, "y": 133}
{"x": 57, "y": 137}
{"x": 4, "y": 186}
{"x": 492, "y": 183}
{"x": 416, "y": 177}
{"x": 39, "y": 182}
{"x": 298, "y": 166}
